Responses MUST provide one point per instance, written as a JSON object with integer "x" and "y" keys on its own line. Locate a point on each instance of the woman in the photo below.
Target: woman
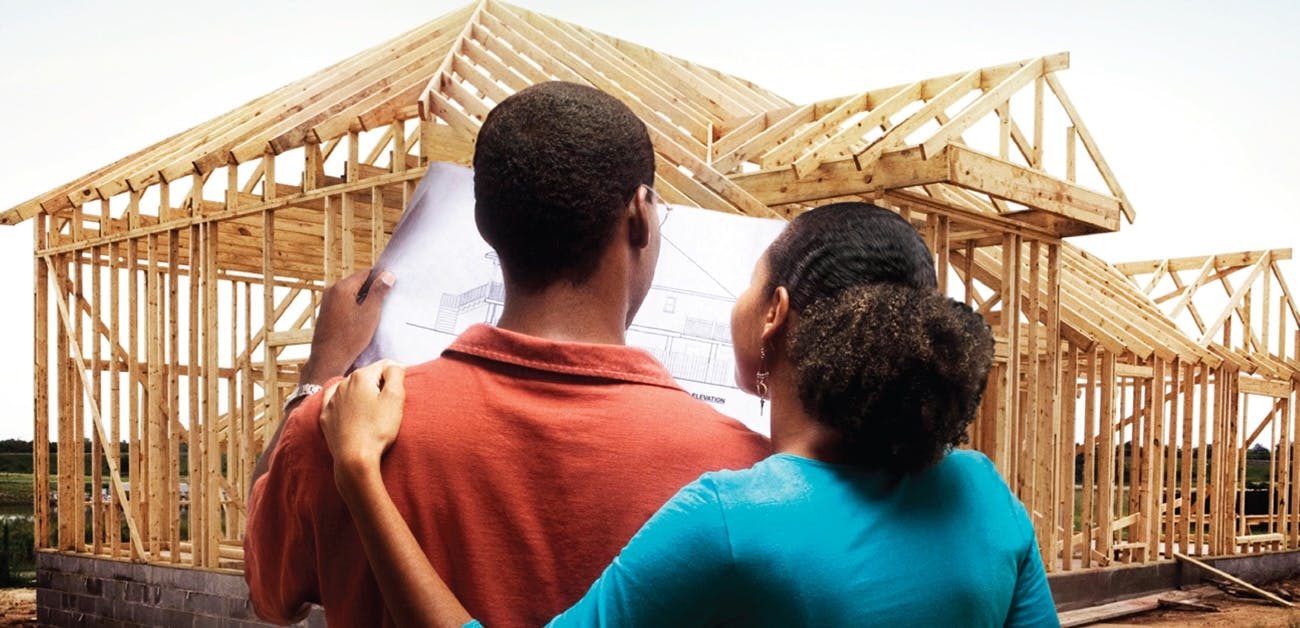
{"x": 864, "y": 515}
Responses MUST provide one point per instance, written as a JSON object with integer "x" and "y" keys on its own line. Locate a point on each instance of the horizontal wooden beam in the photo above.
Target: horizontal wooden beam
{"x": 1008, "y": 181}
{"x": 1221, "y": 260}
{"x": 956, "y": 165}
{"x": 1276, "y": 388}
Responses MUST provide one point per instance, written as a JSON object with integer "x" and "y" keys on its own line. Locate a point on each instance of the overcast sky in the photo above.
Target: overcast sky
{"x": 1193, "y": 103}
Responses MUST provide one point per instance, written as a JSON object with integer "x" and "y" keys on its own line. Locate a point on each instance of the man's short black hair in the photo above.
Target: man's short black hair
{"x": 553, "y": 167}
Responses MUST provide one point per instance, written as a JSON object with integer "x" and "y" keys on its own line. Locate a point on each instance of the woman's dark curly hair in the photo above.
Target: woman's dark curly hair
{"x": 896, "y": 367}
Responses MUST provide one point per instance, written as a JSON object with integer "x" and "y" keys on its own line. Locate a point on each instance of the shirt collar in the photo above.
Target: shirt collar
{"x": 618, "y": 362}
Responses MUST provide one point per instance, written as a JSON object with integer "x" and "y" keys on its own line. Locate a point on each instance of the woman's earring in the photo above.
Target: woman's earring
{"x": 760, "y": 385}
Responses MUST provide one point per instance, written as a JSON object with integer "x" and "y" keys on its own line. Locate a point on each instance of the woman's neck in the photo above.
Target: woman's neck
{"x": 794, "y": 430}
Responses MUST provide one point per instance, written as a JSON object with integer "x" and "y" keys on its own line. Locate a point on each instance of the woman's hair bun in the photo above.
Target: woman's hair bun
{"x": 898, "y": 370}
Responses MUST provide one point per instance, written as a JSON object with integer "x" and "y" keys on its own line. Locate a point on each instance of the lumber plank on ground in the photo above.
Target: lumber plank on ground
{"x": 1124, "y": 608}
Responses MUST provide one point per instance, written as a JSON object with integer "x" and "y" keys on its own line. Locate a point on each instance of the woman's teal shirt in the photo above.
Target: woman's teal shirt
{"x": 797, "y": 542}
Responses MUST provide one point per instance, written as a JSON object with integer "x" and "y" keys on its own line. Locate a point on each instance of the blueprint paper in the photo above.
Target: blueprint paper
{"x": 448, "y": 278}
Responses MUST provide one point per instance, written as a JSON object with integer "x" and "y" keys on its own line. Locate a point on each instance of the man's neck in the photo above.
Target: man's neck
{"x": 566, "y": 313}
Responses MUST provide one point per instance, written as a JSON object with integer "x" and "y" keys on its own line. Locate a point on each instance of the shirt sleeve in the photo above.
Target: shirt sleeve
{"x": 279, "y": 550}
{"x": 674, "y": 571}
{"x": 1031, "y": 603}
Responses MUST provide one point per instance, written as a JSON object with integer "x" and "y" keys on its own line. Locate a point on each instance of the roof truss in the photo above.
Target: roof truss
{"x": 721, "y": 142}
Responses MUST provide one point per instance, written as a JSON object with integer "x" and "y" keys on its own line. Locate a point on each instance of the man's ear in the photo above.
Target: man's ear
{"x": 641, "y": 212}
{"x": 777, "y": 316}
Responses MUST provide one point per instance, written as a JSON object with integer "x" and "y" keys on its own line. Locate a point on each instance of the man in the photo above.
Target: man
{"x": 543, "y": 443}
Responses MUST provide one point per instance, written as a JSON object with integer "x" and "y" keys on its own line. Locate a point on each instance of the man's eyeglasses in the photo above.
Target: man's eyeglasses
{"x": 662, "y": 208}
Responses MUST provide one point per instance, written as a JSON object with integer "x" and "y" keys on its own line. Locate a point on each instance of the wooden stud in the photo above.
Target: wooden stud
{"x": 198, "y": 468}
{"x": 41, "y": 392}
{"x": 169, "y": 426}
{"x": 1203, "y": 485}
{"x": 136, "y": 447}
{"x": 210, "y": 304}
{"x": 1107, "y": 454}
{"x": 1090, "y": 504}
{"x": 97, "y": 535}
{"x": 1170, "y": 442}
{"x": 270, "y": 383}
{"x": 154, "y": 442}
{"x": 76, "y": 435}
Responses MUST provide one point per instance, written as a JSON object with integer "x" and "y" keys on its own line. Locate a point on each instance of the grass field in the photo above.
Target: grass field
{"x": 16, "y": 489}
{"x": 17, "y": 547}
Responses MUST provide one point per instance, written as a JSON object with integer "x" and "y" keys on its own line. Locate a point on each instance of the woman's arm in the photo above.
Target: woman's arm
{"x": 676, "y": 571}
{"x": 360, "y": 421}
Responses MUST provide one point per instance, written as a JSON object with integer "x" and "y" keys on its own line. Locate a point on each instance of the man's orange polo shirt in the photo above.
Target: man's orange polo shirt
{"x": 523, "y": 466}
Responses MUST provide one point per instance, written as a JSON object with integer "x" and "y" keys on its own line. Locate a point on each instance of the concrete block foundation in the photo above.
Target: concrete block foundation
{"x": 74, "y": 590}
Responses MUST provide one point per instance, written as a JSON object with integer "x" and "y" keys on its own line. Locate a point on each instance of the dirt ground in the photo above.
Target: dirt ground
{"x": 17, "y": 607}
{"x": 1233, "y": 611}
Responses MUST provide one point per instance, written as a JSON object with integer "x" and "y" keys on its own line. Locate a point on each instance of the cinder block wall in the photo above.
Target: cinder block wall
{"x": 82, "y": 591}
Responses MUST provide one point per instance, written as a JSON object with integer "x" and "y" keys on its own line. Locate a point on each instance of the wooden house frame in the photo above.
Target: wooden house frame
{"x": 175, "y": 289}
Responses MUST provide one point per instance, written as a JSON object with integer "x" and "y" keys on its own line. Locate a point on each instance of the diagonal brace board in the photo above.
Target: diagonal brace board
{"x": 1237, "y": 295}
{"x": 982, "y": 106}
{"x": 114, "y": 474}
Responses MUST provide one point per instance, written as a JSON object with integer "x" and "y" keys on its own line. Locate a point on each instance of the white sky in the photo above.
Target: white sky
{"x": 1193, "y": 103}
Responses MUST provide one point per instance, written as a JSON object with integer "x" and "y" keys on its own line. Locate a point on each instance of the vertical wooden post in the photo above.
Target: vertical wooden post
{"x": 1066, "y": 407}
{"x": 1089, "y": 515}
{"x": 269, "y": 367}
{"x": 1004, "y": 131}
{"x": 68, "y": 500}
{"x": 1293, "y": 418}
{"x": 1277, "y": 467}
{"x": 1171, "y": 444}
{"x": 1106, "y": 453}
{"x": 968, "y": 280}
{"x": 311, "y": 171}
{"x": 1138, "y": 452}
{"x": 1153, "y": 460}
{"x": 1218, "y": 457}
{"x": 269, "y": 190}
{"x": 1266, "y": 279}
{"x": 1051, "y": 419}
{"x": 1008, "y": 412}
{"x": 399, "y": 146}
{"x": 330, "y": 236}
{"x": 1070, "y": 134}
{"x": 348, "y": 211}
{"x": 1031, "y": 481}
{"x": 1203, "y": 485}
{"x": 114, "y": 414}
{"x": 155, "y": 443}
{"x": 251, "y": 445}
{"x": 41, "y": 389}
{"x": 171, "y": 424}
{"x": 1036, "y": 160}
{"x": 212, "y": 532}
{"x": 1184, "y": 522}
{"x": 92, "y": 347}
{"x": 1239, "y": 454}
{"x": 76, "y": 400}
{"x": 235, "y": 452}
{"x": 136, "y": 445}
{"x": 198, "y": 441}
{"x": 941, "y": 245}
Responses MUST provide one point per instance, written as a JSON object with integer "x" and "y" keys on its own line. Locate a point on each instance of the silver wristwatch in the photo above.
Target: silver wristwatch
{"x": 300, "y": 392}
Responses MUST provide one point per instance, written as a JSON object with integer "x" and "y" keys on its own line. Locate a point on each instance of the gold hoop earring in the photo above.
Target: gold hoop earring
{"x": 760, "y": 385}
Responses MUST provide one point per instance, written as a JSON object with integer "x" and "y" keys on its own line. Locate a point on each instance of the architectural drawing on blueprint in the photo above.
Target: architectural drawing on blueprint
{"x": 449, "y": 279}
{"x": 687, "y": 329}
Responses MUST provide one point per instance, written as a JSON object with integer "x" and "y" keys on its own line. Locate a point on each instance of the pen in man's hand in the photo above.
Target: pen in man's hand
{"x": 365, "y": 287}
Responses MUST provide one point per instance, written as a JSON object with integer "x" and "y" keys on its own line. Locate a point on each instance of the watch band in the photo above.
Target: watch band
{"x": 300, "y": 392}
